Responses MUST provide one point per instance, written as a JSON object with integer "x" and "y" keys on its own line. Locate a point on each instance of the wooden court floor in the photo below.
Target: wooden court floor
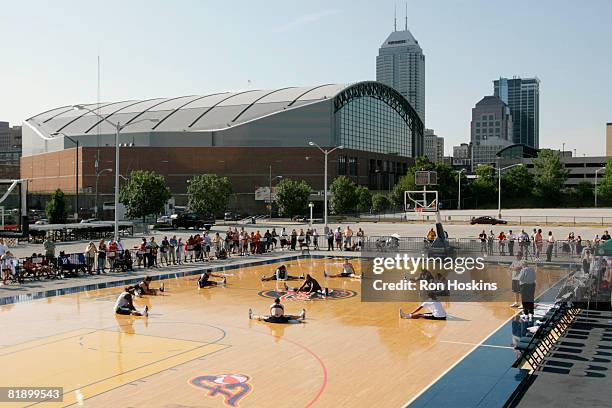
{"x": 198, "y": 348}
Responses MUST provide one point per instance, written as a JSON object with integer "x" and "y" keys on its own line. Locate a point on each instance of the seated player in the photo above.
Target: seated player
{"x": 143, "y": 287}
{"x": 281, "y": 274}
{"x": 310, "y": 286}
{"x": 277, "y": 314}
{"x": 348, "y": 271}
{"x": 435, "y": 311}
{"x": 125, "y": 305}
{"x": 205, "y": 279}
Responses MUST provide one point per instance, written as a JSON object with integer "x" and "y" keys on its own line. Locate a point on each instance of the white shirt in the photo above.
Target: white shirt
{"x": 435, "y": 308}
{"x": 3, "y": 249}
{"x": 516, "y": 267}
{"x": 348, "y": 268}
{"x": 122, "y": 301}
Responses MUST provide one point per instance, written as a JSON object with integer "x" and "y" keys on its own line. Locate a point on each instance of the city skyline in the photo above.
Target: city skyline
{"x": 155, "y": 48}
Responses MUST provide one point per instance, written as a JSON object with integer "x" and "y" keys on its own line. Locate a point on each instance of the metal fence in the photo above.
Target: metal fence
{"x": 561, "y": 250}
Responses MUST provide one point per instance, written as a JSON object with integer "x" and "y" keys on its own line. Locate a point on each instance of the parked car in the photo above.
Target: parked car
{"x": 89, "y": 221}
{"x": 231, "y": 216}
{"x": 192, "y": 220}
{"x": 164, "y": 219}
{"x": 487, "y": 220}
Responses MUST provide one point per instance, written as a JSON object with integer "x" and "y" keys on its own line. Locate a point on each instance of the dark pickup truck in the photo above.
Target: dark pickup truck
{"x": 192, "y": 220}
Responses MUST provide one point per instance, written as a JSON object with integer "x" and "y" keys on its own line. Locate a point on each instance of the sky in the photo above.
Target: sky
{"x": 49, "y": 52}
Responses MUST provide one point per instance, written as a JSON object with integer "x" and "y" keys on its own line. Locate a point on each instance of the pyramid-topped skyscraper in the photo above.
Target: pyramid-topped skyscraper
{"x": 401, "y": 64}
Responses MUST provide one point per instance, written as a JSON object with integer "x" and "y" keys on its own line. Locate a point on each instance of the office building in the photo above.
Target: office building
{"x": 522, "y": 95}
{"x": 400, "y": 64}
{"x": 491, "y": 129}
{"x": 462, "y": 151}
{"x": 10, "y": 150}
{"x": 433, "y": 146}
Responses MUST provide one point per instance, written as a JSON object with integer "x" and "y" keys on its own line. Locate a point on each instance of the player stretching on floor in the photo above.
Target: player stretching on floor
{"x": 281, "y": 274}
{"x": 205, "y": 279}
{"x": 310, "y": 286}
{"x": 125, "y": 305}
{"x": 277, "y": 314}
{"x": 436, "y": 311}
{"x": 348, "y": 271}
{"x": 143, "y": 287}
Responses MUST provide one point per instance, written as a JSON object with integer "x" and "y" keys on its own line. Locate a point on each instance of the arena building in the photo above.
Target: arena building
{"x": 248, "y": 136}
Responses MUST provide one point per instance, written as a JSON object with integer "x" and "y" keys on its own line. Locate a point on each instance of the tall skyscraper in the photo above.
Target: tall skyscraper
{"x": 400, "y": 64}
{"x": 433, "y": 146}
{"x": 522, "y": 95}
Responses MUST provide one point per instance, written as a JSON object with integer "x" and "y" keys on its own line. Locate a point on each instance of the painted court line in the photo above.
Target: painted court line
{"x": 456, "y": 363}
{"x": 474, "y": 344}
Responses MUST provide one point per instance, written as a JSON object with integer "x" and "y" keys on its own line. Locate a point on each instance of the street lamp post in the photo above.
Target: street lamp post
{"x": 76, "y": 173}
{"x": 459, "y": 196}
{"x": 597, "y": 171}
{"x": 311, "y": 206}
{"x": 499, "y": 170}
{"x": 325, "y": 152}
{"x": 118, "y": 128}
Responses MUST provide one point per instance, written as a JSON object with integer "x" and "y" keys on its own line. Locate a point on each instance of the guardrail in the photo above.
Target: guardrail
{"x": 562, "y": 250}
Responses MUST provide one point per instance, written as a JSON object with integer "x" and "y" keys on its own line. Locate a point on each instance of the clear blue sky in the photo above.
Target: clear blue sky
{"x": 169, "y": 48}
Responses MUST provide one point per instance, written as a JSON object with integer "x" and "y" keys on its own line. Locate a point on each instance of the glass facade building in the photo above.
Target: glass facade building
{"x": 522, "y": 95}
{"x": 370, "y": 124}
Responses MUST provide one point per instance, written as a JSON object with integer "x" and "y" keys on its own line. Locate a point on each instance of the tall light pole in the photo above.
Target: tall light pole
{"x": 76, "y": 174}
{"x": 499, "y": 170}
{"x": 597, "y": 171}
{"x": 459, "y": 196}
{"x": 326, "y": 153}
{"x": 118, "y": 128}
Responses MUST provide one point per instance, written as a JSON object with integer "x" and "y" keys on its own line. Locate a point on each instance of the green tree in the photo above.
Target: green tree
{"x": 550, "y": 176}
{"x": 517, "y": 182}
{"x": 405, "y": 183}
{"x": 57, "y": 208}
{"x": 364, "y": 199}
{"x": 584, "y": 193}
{"x": 380, "y": 202}
{"x": 344, "y": 195}
{"x": 209, "y": 194}
{"x": 604, "y": 183}
{"x": 145, "y": 193}
{"x": 292, "y": 197}
{"x": 485, "y": 184}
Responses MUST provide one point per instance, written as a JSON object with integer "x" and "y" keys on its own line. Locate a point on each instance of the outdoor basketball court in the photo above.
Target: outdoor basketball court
{"x": 198, "y": 348}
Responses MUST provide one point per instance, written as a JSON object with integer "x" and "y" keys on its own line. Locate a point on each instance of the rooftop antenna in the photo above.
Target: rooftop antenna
{"x": 406, "y": 19}
{"x": 395, "y": 17}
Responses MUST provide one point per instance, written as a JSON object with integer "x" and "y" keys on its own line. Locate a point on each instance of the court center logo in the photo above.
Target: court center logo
{"x": 232, "y": 387}
{"x": 333, "y": 294}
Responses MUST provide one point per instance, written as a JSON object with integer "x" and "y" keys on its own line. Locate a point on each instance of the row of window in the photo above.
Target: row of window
{"x": 370, "y": 124}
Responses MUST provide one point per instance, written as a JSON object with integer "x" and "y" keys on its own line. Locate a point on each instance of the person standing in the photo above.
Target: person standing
{"x": 180, "y": 251}
{"x": 293, "y": 239}
{"x": 501, "y": 238}
{"x": 483, "y": 242}
{"x": 111, "y": 254}
{"x": 348, "y": 237}
{"x": 173, "y": 247}
{"x": 49, "y": 247}
{"x": 550, "y": 247}
{"x": 330, "y": 240}
{"x": 163, "y": 250}
{"x": 90, "y": 256}
{"x": 3, "y": 247}
{"x": 511, "y": 239}
{"x": 338, "y": 237}
{"x": 101, "y": 256}
{"x": 515, "y": 268}
{"x": 527, "y": 280}
{"x": 315, "y": 239}
{"x": 537, "y": 240}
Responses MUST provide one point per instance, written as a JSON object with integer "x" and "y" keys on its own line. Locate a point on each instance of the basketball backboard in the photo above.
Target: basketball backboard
{"x": 13, "y": 208}
{"x": 421, "y": 201}
{"x": 425, "y": 178}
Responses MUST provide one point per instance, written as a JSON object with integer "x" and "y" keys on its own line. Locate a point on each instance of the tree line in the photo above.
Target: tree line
{"x": 146, "y": 192}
